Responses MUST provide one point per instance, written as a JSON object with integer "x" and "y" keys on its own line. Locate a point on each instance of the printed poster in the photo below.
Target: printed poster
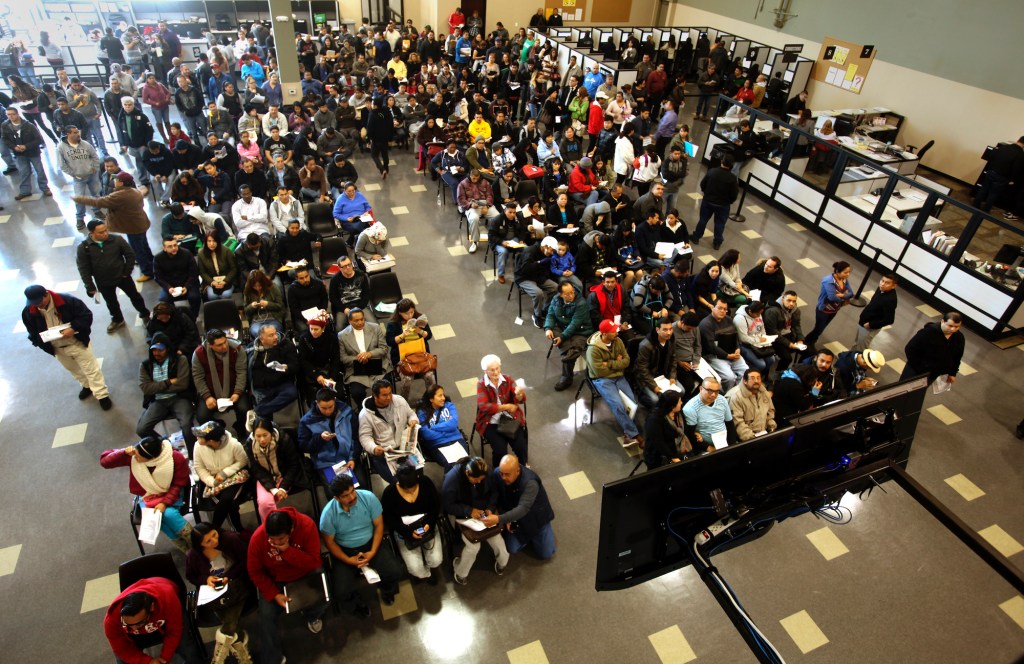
{"x": 840, "y": 55}
{"x": 834, "y": 73}
{"x": 851, "y": 71}
{"x": 856, "y": 83}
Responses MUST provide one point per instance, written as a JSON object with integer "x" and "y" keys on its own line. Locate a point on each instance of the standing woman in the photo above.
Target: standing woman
{"x": 407, "y": 326}
{"x": 835, "y": 293}
{"x": 500, "y": 414}
{"x": 24, "y": 92}
{"x": 221, "y": 464}
{"x": 624, "y": 157}
{"x": 217, "y": 558}
{"x": 664, "y": 439}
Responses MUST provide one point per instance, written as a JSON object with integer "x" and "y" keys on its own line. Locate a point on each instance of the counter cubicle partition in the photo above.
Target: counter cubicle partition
{"x": 864, "y": 198}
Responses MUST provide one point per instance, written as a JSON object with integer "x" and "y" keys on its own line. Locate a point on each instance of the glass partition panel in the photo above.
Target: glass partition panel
{"x": 860, "y": 175}
{"x": 995, "y": 251}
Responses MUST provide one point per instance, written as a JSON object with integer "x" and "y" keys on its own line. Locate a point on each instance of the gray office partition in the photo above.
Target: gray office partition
{"x": 871, "y": 202}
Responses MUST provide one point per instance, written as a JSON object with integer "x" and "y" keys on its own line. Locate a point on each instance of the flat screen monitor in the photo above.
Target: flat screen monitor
{"x": 841, "y": 447}
{"x": 787, "y": 76}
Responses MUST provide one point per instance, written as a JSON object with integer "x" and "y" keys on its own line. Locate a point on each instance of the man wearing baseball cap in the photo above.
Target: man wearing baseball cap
{"x": 66, "y": 323}
{"x": 607, "y": 361}
{"x": 165, "y": 381}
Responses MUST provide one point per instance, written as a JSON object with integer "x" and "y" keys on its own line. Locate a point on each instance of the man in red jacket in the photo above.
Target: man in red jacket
{"x": 149, "y": 613}
{"x": 583, "y": 183}
{"x": 283, "y": 550}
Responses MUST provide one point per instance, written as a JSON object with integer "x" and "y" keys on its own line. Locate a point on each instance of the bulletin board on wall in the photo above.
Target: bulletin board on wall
{"x": 611, "y": 11}
{"x": 844, "y": 65}
{"x": 573, "y": 11}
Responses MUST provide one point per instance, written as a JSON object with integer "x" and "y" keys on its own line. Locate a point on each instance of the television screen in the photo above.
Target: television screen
{"x": 787, "y": 76}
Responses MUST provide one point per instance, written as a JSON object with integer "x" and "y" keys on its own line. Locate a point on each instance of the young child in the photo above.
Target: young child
{"x": 563, "y": 266}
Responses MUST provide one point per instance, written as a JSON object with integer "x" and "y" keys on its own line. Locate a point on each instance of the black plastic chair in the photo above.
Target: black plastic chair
{"x": 223, "y": 315}
{"x": 161, "y": 565}
{"x": 525, "y": 189}
{"x": 331, "y": 250}
{"x": 201, "y": 504}
{"x": 593, "y": 396}
{"x": 384, "y": 289}
{"x": 320, "y": 220}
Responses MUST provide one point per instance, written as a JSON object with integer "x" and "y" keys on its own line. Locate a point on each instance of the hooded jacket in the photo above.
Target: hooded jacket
{"x": 439, "y": 425}
{"x": 598, "y": 353}
{"x": 226, "y": 460}
{"x": 779, "y": 320}
{"x": 374, "y": 430}
{"x": 165, "y": 615}
{"x": 177, "y": 368}
{"x": 269, "y": 568}
{"x": 749, "y": 328}
{"x": 79, "y": 161}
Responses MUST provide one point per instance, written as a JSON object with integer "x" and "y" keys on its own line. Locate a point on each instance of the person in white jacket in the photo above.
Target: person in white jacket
{"x": 385, "y": 423}
{"x": 250, "y": 214}
{"x": 284, "y": 208}
{"x": 221, "y": 464}
{"x": 755, "y": 346}
{"x": 622, "y": 163}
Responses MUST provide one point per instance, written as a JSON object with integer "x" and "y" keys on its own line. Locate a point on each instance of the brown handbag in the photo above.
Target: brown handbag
{"x": 415, "y": 364}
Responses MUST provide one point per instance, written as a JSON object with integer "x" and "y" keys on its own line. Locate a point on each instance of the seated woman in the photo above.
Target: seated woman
{"x": 276, "y": 466}
{"x": 348, "y": 209}
{"x": 730, "y": 285}
{"x": 209, "y": 222}
{"x": 664, "y": 440}
{"x": 373, "y": 244}
{"x": 530, "y": 221}
{"x": 186, "y": 190}
{"x": 320, "y": 357}
{"x": 554, "y": 177}
{"x": 498, "y": 400}
{"x": 215, "y": 559}
{"x": 563, "y": 215}
{"x": 217, "y": 269}
{"x": 221, "y": 464}
{"x": 413, "y": 495}
{"x": 263, "y": 303}
{"x": 627, "y": 258}
{"x": 158, "y": 475}
{"x": 439, "y": 428}
{"x": 705, "y": 288}
{"x": 408, "y": 326}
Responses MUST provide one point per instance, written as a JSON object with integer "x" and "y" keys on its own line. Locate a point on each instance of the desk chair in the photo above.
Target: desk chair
{"x": 223, "y": 315}
{"x": 331, "y": 249}
{"x": 161, "y": 565}
{"x": 320, "y": 220}
{"x": 924, "y": 148}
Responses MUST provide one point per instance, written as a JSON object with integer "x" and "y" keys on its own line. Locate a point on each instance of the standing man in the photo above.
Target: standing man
{"x": 149, "y": 613}
{"x": 127, "y": 215}
{"x": 1005, "y": 169}
{"x": 525, "y": 511}
{"x": 134, "y": 132}
{"x": 352, "y": 528}
{"x": 105, "y": 263}
{"x": 45, "y": 310}
{"x": 79, "y": 161}
{"x": 720, "y": 189}
{"x": 87, "y": 103}
{"x": 881, "y": 311}
{"x": 23, "y": 140}
{"x": 188, "y": 99}
{"x": 936, "y": 349}
{"x": 380, "y": 129}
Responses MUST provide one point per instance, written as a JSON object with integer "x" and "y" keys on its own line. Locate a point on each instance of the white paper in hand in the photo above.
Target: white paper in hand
{"x": 409, "y": 520}
{"x": 453, "y": 453}
{"x": 755, "y": 294}
{"x": 719, "y": 439}
{"x": 370, "y": 574}
{"x": 149, "y": 529}
{"x": 941, "y": 385}
{"x": 472, "y": 524}
{"x": 224, "y": 404}
{"x": 628, "y": 404}
{"x": 208, "y": 594}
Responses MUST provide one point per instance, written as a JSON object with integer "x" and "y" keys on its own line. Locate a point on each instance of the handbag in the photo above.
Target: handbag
{"x": 240, "y": 477}
{"x": 415, "y": 364}
{"x": 475, "y": 536}
{"x": 761, "y": 352}
{"x": 412, "y": 543}
{"x": 508, "y": 426}
{"x": 416, "y": 345}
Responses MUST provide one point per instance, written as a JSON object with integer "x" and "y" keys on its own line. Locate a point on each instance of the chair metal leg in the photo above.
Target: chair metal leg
{"x": 636, "y": 467}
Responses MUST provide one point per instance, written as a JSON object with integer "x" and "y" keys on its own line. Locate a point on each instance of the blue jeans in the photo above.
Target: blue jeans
{"x": 821, "y": 321}
{"x": 269, "y": 400}
{"x": 96, "y": 135}
{"x": 143, "y": 254}
{"x": 192, "y": 295}
{"x": 501, "y": 253}
{"x": 453, "y": 183}
{"x": 543, "y": 542}
{"x": 609, "y": 389}
{"x": 25, "y": 164}
{"x": 703, "y": 103}
{"x": 270, "y": 641}
{"x": 730, "y": 371}
{"x": 89, "y": 186}
{"x": 587, "y": 199}
{"x": 8, "y": 155}
{"x": 212, "y": 294}
{"x": 160, "y": 115}
{"x": 721, "y": 213}
{"x": 195, "y": 126}
{"x": 172, "y": 521}
{"x": 764, "y": 365}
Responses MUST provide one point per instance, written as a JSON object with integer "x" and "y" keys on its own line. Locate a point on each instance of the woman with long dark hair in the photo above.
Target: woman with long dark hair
{"x": 28, "y": 95}
{"x": 263, "y": 303}
{"x": 664, "y": 439}
{"x": 217, "y": 269}
{"x": 408, "y": 326}
{"x": 835, "y": 293}
{"x": 439, "y": 428}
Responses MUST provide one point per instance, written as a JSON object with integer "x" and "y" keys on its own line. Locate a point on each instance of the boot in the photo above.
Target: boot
{"x": 565, "y": 382}
{"x": 222, "y": 650}
{"x": 184, "y": 540}
{"x": 240, "y": 649}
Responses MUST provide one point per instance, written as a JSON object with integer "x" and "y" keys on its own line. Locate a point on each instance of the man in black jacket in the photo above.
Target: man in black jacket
{"x": 105, "y": 263}
{"x": 380, "y": 129}
{"x": 134, "y": 132}
{"x": 881, "y": 311}
{"x": 305, "y": 293}
{"x": 767, "y": 277}
{"x": 1004, "y": 169}
{"x": 180, "y": 330}
{"x": 159, "y": 164}
{"x": 177, "y": 273}
{"x": 720, "y": 189}
{"x": 273, "y": 365}
{"x": 165, "y": 379}
{"x": 782, "y": 319}
{"x": 45, "y": 310}
{"x": 533, "y": 276}
{"x": 349, "y": 289}
{"x": 936, "y": 349}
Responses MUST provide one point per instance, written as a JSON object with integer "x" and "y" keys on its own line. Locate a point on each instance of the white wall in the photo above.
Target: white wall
{"x": 961, "y": 119}
{"x": 517, "y": 14}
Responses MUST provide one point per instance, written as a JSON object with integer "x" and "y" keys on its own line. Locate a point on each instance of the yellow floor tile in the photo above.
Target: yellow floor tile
{"x": 466, "y": 387}
{"x": 488, "y": 275}
{"x": 458, "y": 250}
{"x": 706, "y": 258}
{"x": 4, "y": 218}
{"x": 799, "y": 228}
{"x": 967, "y": 489}
{"x": 1014, "y": 607}
{"x": 804, "y": 631}
{"x": 71, "y": 435}
{"x": 788, "y": 280}
{"x": 695, "y": 196}
{"x": 531, "y": 653}
{"x": 9, "y": 559}
{"x": 517, "y": 345}
{"x": 756, "y": 209}
{"x": 753, "y": 235}
{"x": 444, "y": 331}
{"x": 1001, "y": 540}
{"x": 417, "y": 188}
{"x": 63, "y": 242}
{"x": 836, "y": 347}
{"x": 411, "y": 296}
{"x": 808, "y": 263}
{"x": 371, "y": 186}
{"x": 929, "y": 311}
{"x": 671, "y": 646}
{"x": 405, "y": 602}
{"x": 800, "y": 302}
{"x": 896, "y": 364}
{"x": 401, "y": 209}
{"x": 99, "y": 593}
{"x": 827, "y": 543}
{"x": 966, "y": 369}
{"x": 576, "y": 485}
{"x": 53, "y": 221}
{"x": 400, "y": 241}
{"x": 945, "y": 415}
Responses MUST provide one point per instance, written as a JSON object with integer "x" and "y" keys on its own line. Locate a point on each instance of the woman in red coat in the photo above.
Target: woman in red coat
{"x": 498, "y": 398}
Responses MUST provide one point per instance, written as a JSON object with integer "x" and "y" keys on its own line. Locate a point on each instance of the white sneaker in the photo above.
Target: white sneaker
{"x": 472, "y": 248}
{"x": 458, "y": 579}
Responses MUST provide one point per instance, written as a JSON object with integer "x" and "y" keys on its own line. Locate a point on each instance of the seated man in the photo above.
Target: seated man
{"x": 720, "y": 344}
{"x": 832, "y": 387}
{"x": 752, "y": 408}
{"x": 607, "y": 361}
{"x": 352, "y": 527}
{"x": 607, "y": 300}
{"x": 853, "y": 367}
{"x": 450, "y": 164}
{"x": 284, "y": 209}
{"x": 650, "y": 301}
{"x": 182, "y": 335}
{"x": 532, "y": 275}
{"x": 250, "y": 214}
{"x": 165, "y": 383}
{"x": 149, "y": 613}
{"x": 220, "y": 371}
{"x": 502, "y": 232}
{"x": 524, "y": 509}
{"x": 295, "y": 245}
{"x": 688, "y": 351}
{"x": 476, "y": 197}
{"x": 284, "y": 549}
{"x": 755, "y": 348}
{"x": 303, "y": 294}
{"x": 325, "y": 434}
{"x": 782, "y": 318}
{"x": 273, "y": 367}
{"x": 349, "y": 289}
{"x": 707, "y": 418}
{"x": 219, "y": 187}
{"x": 568, "y": 327}
{"x": 254, "y": 254}
{"x": 365, "y": 355}
{"x": 386, "y": 423}
{"x": 656, "y": 358}
{"x": 471, "y": 492}
{"x": 177, "y": 273}
{"x": 767, "y": 277}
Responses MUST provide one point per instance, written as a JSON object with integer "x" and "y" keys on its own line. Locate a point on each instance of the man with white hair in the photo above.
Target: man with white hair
{"x": 134, "y": 132}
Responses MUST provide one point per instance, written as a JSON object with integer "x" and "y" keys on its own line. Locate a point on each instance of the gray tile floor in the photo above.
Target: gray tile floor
{"x": 903, "y": 591}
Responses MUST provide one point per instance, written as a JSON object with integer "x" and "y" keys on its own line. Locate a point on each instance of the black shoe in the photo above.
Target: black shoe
{"x": 10, "y": 170}
{"x": 564, "y": 383}
{"x": 84, "y": 394}
{"x": 716, "y": 246}
{"x": 114, "y": 324}
{"x": 1020, "y": 430}
{"x": 80, "y": 224}
{"x": 361, "y": 611}
{"x": 387, "y": 598}
{"x": 47, "y": 192}
{"x": 538, "y": 323}
{"x": 434, "y": 574}
{"x": 106, "y": 403}
{"x": 695, "y": 241}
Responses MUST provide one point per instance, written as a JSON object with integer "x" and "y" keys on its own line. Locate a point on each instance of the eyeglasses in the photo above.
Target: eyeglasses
{"x": 710, "y": 391}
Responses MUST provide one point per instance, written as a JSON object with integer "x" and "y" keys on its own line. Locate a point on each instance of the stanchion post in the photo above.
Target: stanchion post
{"x": 738, "y": 216}
{"x": 858, "y": 300}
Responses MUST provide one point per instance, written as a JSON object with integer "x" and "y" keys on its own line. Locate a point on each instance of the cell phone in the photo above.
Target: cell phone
{"x": 421, "y": 531}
